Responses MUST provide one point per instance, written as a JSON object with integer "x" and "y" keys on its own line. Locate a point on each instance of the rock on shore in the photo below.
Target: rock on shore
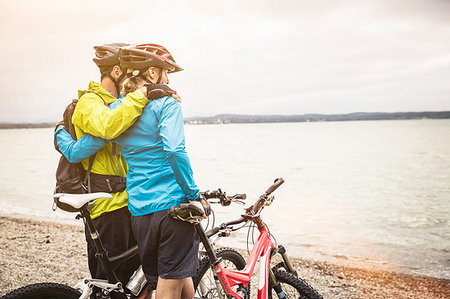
{"x": 36, "y": 251}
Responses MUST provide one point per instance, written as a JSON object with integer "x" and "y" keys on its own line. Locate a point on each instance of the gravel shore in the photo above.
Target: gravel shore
{"x": 36, "y": 251}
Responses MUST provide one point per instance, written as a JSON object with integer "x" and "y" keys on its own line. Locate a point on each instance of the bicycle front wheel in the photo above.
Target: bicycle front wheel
{"x": 204, "y": 282}
{"x": 292, "y": 287}
{"x": 46, "y": 290}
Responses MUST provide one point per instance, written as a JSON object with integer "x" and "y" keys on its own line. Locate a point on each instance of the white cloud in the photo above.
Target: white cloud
{"x": 291, "y": 57}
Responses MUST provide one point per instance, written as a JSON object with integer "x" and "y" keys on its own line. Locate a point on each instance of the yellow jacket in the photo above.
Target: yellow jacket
{"x": 92, "y": 116}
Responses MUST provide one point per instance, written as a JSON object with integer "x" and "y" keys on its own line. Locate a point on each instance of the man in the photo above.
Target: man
{"x": 159, "y": 178}
{"x": 110, "y": 216}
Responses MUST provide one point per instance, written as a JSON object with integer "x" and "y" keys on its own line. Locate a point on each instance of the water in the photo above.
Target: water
{"x": 373, "y": 194}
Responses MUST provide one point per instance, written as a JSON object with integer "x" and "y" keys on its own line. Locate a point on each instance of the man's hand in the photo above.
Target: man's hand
{"x": 155, "y": 91}
{"x": 176, "y": 97}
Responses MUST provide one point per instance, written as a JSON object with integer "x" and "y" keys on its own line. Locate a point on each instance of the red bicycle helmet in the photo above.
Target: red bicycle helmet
{"x": 143, "y": 56}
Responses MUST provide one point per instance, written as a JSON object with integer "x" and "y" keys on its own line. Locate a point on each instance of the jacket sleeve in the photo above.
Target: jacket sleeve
{"x": 95, "y": 118}
{"x": 171, "y": 130}
{"x": 77, "y": 150}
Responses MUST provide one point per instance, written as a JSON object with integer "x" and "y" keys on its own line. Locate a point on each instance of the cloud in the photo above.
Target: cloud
{"x": 239, "y": 57}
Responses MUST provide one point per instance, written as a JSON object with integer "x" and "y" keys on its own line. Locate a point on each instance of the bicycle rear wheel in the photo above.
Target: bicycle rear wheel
{"x": 46, "y": 290}
{"x": 293, "y": 287}
{"x": 204, "y": 282}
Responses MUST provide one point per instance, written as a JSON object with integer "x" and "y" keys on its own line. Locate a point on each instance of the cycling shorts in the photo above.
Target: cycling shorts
{"x": 168, "y": 248}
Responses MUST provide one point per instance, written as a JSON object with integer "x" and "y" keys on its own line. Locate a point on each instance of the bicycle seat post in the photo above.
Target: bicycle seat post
{"x": 101, "y": 253}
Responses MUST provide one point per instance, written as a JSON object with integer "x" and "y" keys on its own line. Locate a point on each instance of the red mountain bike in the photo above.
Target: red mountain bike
{"x": 279, "y": 281}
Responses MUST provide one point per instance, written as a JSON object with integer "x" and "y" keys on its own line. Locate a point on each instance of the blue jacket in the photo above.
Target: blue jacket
{"x": 159, "y": 171}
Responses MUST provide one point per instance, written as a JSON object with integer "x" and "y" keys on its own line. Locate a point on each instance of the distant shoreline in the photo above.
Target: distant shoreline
{"x": 244, "y": 119}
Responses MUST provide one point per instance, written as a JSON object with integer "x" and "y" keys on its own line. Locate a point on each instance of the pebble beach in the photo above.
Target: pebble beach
{"x": 33, "y": 251}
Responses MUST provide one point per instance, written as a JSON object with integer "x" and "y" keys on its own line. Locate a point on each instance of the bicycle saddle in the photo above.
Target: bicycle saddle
{"x": 73, "y": 202}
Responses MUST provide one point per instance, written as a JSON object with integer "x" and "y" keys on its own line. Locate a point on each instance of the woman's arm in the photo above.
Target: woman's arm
{"x": 171, "y": 128}
{"x": 77, "y": 150}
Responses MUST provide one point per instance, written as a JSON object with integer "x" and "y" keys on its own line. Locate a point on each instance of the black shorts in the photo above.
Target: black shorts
{"x": 168, "y": 248}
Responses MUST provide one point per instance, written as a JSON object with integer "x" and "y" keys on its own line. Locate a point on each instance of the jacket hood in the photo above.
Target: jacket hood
{"x": 98, "y": 89}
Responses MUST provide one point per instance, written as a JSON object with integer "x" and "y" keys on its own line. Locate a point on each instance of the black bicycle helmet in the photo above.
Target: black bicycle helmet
{"x": 107, "y": 56}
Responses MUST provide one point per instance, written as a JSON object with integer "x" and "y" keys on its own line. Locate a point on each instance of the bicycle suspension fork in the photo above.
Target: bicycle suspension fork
{"x": 281, "y": 250}
{"x": 211, "y": 255}
{"x": 272, "y": 279}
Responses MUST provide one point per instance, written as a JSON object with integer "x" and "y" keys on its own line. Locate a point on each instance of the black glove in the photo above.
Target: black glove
{"x": 192, "y": 212}
{"x": 205, "y": 204}
{"x": 156, "y": 91}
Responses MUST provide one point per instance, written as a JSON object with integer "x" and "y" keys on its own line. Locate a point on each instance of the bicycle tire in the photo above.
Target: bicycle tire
{"x": 281, "y": 265}
{"x": 227, "y": 255}
{"x": 293, "y": 286}
{"x": 45, "y": 290}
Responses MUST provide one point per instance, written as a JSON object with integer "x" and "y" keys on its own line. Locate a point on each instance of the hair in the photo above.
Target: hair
{"x": 105, "y": 70}
{"x": 131, "y": 84}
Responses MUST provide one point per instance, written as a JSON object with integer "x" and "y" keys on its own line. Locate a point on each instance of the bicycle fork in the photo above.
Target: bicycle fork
{"x": 276, "y": 285}
{"x": 281, "y": 250}
{"x": 212, "y": 257}
{"x": 272, "y": 279}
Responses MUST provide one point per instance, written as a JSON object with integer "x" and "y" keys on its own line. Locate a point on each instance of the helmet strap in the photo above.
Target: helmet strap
{"x": 141, "y": 75}
{"x": 116, "y": 82}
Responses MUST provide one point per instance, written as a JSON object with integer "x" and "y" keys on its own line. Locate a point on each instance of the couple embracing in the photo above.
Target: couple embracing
{"x": 131, "y": 123}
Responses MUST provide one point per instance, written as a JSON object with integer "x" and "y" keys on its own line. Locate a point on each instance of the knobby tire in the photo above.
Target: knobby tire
{"x": 46, "y": 290}
{"x": 227, "y": 254}
{"x": 293, "y": 286}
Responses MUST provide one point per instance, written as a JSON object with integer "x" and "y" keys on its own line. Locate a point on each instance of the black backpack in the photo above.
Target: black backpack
{"x": 72, "y": 177}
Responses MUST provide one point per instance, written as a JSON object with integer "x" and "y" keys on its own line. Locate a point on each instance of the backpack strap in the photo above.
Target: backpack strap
{"x": 87, "y": 178}
{"x": 90, "y": 91}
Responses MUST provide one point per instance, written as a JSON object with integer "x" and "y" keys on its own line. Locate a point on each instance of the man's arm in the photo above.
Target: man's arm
{"x": 171, "y": 128}
{"x": 77, "y": 150}
{"x": 93, "y": 117}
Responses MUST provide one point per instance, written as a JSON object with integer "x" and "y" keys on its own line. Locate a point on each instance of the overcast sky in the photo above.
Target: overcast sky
{"x": 244, "y": 57}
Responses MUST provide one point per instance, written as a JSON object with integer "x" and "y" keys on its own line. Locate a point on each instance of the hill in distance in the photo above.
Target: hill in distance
{"x": 242, "y": 119}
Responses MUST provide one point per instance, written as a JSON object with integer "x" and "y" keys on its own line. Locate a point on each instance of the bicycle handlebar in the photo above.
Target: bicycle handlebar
{"x": 223, "y": 198}
{"x": 252, "y": 211}
{"x": 277, "y": 183}
{"x": 215, "y": 230}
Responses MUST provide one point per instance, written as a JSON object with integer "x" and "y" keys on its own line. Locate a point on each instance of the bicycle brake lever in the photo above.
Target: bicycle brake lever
{"x": 213, "y": 201}
{"x": 238, "y": 201}
{"x": 269, "y": 201}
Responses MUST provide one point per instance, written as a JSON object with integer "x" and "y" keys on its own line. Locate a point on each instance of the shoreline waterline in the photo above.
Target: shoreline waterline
{"x": 34, "y": 251}
{"x": 341, "y": 261}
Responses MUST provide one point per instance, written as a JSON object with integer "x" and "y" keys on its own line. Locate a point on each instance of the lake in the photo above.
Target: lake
{"x": 373, "y": 194}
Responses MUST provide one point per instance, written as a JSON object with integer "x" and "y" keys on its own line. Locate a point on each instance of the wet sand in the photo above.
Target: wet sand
{"x": 34, "y": 251}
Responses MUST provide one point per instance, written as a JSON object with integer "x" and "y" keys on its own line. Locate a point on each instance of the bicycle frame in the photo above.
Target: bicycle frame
{"x": 112, "y": 282}
{"x": 229, "y": 278}
{"x": 262, "y": 249}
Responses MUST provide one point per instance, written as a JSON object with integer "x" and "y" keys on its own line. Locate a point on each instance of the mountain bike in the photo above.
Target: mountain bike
{"x": 137, "y": 287}
{"x": 279, "y": 281}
